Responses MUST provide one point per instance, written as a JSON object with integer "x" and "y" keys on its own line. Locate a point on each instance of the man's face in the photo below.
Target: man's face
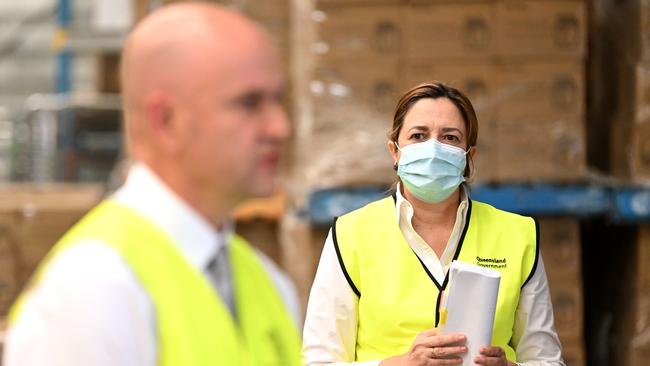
{"x": 238, "y": 124}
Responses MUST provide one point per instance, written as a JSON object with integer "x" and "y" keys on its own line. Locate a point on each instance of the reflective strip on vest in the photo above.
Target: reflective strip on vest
{"x": 399, "y": 298}
{"x": 193, "y": 325}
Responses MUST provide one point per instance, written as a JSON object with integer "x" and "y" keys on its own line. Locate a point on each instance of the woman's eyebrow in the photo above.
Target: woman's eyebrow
{"x": 419, "y": 128}
{"x": 452, "y": 129}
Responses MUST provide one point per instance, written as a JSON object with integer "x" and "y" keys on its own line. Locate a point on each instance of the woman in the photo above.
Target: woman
{"x": 377, "y": 290}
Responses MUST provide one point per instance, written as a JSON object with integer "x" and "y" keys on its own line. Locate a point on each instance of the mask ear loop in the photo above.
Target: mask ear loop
{"x": 398, "y": 148}
{"x": 470, "y": 164}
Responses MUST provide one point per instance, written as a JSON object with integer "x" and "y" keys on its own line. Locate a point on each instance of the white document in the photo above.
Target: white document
{"x": 470, "y": 305}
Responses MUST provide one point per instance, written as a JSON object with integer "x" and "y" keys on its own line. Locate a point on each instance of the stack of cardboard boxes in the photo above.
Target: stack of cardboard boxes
{"x": 32, "y": 219}
{"x": 561, "y": 252}
{"x": 456, "y": 42}
{"x": 621, "y": 80}
{"x": 345, "y": 75}
{"x": 346, "y": 62}
{"x": 521, "y": 63}
{"x": 620, "y": 89}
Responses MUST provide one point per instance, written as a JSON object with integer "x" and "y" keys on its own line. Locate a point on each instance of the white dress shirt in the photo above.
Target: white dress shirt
{"x": 330, "y": 331}
{"x": 91, "y": 310}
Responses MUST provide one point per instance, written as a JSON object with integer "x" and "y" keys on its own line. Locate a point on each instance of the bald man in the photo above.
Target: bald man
{"x": 154, "y": 274}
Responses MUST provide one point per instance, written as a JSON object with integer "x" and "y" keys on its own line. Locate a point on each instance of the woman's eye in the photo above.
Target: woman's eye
{"x": 451, "y": 138}
{"x": 417, "y": 136}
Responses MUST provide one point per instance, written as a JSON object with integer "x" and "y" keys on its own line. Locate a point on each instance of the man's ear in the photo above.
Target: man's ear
{"x": 162, "y": 123}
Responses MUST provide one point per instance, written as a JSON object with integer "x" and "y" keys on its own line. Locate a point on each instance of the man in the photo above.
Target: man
{"x": 153, "y": 276}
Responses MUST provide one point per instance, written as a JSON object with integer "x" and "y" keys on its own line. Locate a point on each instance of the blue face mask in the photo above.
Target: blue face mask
{"x": 431, "y": 170}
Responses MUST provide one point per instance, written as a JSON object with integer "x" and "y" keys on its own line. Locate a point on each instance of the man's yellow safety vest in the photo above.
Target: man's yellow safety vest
{"x": 194, "y": 326}
{"x": 398, "y": 296}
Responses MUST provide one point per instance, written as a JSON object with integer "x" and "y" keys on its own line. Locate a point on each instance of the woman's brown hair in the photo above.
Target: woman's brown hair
{"x": 435, "y": 90}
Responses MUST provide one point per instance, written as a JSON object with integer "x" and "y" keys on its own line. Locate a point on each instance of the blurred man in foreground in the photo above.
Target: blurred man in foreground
{"x": 154, "y": 275}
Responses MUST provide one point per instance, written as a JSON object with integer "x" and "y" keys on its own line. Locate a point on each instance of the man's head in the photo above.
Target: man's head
{"x": 202, "y": 88}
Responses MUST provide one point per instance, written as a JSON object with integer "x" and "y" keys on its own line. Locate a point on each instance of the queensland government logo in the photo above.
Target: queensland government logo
{"x": 491, "y": 262}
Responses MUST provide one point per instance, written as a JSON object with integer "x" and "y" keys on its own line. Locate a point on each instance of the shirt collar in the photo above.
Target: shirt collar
{"x": 404, "y": 207}
{"x": 196, "y": 238}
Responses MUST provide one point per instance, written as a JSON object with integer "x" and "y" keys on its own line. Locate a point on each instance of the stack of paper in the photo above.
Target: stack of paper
{"x": 470, "y": 305}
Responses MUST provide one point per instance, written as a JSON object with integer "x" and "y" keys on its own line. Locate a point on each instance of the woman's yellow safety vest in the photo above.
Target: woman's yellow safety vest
{"x": 194, "y": 327}
{"x": 398, "y": 296}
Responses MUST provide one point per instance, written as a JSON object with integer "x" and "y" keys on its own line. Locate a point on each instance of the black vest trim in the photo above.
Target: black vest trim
{"x": 340, "y": 258}
{"x": 461, "y": 240}
{"x": 534, "y": 268}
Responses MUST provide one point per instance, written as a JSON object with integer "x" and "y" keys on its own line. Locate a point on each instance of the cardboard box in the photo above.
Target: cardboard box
{"x": 301, "y": 245}
{"x": 537, "y": 148}
{"x": 630, "y": 138}
{"x": 641, "y": 152}
{"x": 640, "y": 118}
{"x": 573, "y": 351}
{"x": 352, "y": 34}
{"x": 643, "y": 259}
{"x": 341, "y": 91}
{"x": 638, "y": 348}
{"x": 359, "y": 2}
{"x": 352, "y": 115}
{"x": 629, "y": 22}
{"x": 638, "y": 18}
{"x": 32, "y": 219}
{"x": 257, "y": 9}
{"x": 542, "y": 28}
{"x": 450, "y": 30}
{"x": 561, "y": 247}
{"x": 540, "y": 88}
{"x": 260, "y": 10}
{"x": 568, "y": 308}
{"x": 345, "y": 79}
{"x": 476, "y": 79}
{"x": 37, "y": 232}
{"x": 8, "y": 264}
{"x": 637, "y": 342}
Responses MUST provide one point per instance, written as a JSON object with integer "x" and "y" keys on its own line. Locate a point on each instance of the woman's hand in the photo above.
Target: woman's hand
{"x": 430, "y": 348}
{"x": 492, "y": 356}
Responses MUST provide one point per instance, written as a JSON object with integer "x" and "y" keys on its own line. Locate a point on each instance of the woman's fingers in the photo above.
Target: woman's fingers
{"x": 447, "y": 361}
{"x": 490, "y": 361}
{"x": 441, "y": 341}
{"x": 445, "y": 352}
{"x": 491, "y": 356}
{"x": 492, "y": 351}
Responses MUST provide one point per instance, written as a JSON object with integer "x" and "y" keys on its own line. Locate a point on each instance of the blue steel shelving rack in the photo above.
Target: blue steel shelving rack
{"x": 621, "y": 204}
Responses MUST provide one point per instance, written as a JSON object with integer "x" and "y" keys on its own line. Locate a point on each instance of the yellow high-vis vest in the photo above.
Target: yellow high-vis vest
{"x": 194, "y": 326}
{"x": 398, "y": 296}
